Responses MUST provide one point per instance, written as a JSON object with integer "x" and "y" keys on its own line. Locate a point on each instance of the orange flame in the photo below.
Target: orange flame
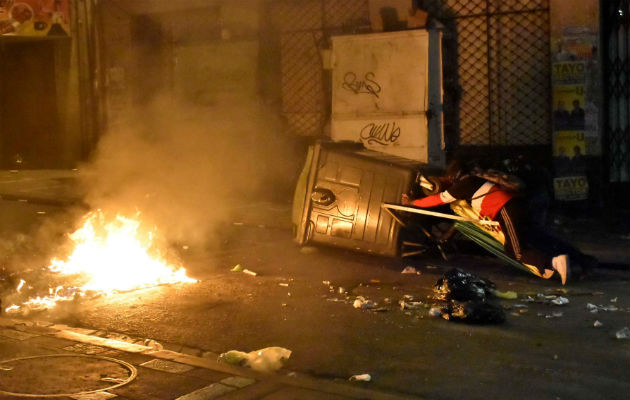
{"x": 109, "y": 256}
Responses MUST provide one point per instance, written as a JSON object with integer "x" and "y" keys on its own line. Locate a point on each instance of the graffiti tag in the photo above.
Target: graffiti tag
{"x": 385, "y": 133}
{"x": 367, "y": 85}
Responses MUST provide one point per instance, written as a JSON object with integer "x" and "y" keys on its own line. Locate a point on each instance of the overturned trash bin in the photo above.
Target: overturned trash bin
{"x": 339, "y": 195}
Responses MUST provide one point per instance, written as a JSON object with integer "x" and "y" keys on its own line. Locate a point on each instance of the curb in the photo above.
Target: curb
{"x": 272, "y": 381}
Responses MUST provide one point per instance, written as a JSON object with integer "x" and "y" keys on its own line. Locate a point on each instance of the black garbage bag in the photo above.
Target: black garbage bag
{"x": 473, "y": 312}
{"x": 462, "y": 286}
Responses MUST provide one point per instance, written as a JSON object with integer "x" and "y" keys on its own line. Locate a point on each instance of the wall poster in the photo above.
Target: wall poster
{"x": 35, "y": 18}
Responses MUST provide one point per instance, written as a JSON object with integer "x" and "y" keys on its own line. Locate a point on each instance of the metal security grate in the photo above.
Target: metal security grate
{"x": 496, "y": 63}
{"x": 302, "y": 83}
{"x": 497, "y": 69}
{"x": 304, "y": 27}
{"x": 617, "y": 89}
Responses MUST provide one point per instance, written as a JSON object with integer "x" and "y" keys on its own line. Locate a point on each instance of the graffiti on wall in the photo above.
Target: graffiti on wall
{"x": 385, "y": 133}
{"x": 35, "y": 17}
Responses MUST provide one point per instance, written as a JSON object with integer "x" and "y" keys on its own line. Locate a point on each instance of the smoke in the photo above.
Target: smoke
{"x": 185, "y": 168}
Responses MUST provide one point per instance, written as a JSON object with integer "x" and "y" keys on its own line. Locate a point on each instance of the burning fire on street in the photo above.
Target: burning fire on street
{"x": 109, "y": 255}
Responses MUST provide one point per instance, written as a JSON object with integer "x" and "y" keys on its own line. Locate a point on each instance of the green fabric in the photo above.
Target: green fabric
{"x": 489, "y": 243}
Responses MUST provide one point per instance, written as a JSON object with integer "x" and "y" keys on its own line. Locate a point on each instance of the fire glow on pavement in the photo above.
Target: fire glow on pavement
{"x": 109, "y": 255}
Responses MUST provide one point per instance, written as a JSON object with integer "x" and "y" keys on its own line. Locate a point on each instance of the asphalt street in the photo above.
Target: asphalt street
{"x": 303, "y": 299}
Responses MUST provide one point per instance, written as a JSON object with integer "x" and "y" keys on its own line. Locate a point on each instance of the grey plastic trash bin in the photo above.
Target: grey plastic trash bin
{"x": 339, "y": 194}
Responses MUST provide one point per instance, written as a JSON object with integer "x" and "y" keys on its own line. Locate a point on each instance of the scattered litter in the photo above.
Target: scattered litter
{"x": 613, "y": 300}
{"x": 264, "y": 360}
{"x": 375, "y": 281}
{"x": 509, "y": 295}
{"x": 473, "y": 312}
{"x": 435, "y": 312}
{"x": 623, "y": 333}
{"x": 380, "y": 309}
{"x": 341, "y": 290}
{"x": 2, "y": 368}
{"x": 431, "y": 267}
{"x": 560, "y": 301}
{"x": 248, "y": 272}
{"x": 462, "y": 286}
{"x": 283, "y": 284}
{"x": 185, "y": 247}
{"x": 596, "y": 308}
{"x": 41, "y": 212}
{"x": 597, "y": 324}
{"x": 466, "y": 296}
{"x": 361, "y": 378}
{"x": 327, "y": 283}
{"x": 237, "y": 268}
{"x": 555, "y": 314}
{"x": 362, "y": 303}
{"x": 409, "y": 305}
{"x": 410, "y": 270}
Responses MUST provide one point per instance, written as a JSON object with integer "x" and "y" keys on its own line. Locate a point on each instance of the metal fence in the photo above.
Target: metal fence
{"x": 615, "y": 34}
{"x": 303, "y": 28}
{"x": 496, "y": 60}
{"x": 496, "y": 65}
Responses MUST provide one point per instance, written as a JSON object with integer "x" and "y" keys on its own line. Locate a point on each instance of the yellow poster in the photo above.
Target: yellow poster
{"x": 569, "y": 148}
{"x": 35, "y": 17}
{"x": 569, "y": 144}
{"x": 571, "y": 188}
{"x": 568, "y": 110}
{"x": 568, "y": 72}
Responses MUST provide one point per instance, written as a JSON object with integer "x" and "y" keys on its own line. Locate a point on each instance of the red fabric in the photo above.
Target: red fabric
{"x": 493, "y": 202}
{"x": 429, "y": 201}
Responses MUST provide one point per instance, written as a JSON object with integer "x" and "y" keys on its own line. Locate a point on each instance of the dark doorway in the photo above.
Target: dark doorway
{"x": 29, "y": 124}
{"x": 616, "y": 82}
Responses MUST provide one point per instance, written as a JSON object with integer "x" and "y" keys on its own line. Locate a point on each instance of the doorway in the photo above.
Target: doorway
{"x": 29, "y": 122}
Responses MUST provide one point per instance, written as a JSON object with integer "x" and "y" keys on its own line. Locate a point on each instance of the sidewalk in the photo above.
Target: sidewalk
{"x": 60, "y": 187}
{"x": 40, "y": 359}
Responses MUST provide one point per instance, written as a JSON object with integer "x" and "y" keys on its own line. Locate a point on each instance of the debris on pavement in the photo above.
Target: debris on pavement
{"x": 462, "y": 286}
{"x": 554, "y": 314}
{"x": 410, "y": 270}
{"x": 248, "y": 272}
{"x": 237, "y": 268}
{"x": 360, "y": 378}
{"x": 623, "y": 333}
{"x": 508, "y": 295}
{"x": 435, "y": 312}
{"x": 268, "y": 359}
{"x": 560, "y": 301}
{"x": 596, "y": 308}
{"x": 362, "y": 303}
{"x": 467, "y": 298}
{"x": 597, "y": 324}
{"x": 473, "y": 312}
